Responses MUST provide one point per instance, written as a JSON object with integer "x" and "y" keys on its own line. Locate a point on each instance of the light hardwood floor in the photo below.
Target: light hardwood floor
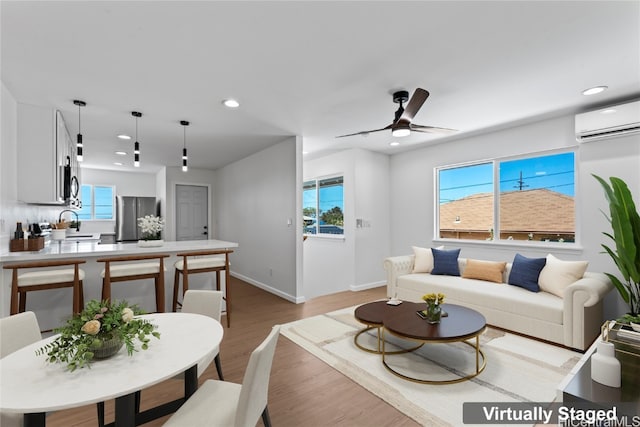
{"x": 303, "y": 390}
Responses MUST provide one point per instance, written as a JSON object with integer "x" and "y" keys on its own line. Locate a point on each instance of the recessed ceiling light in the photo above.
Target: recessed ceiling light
{"x": 121, "y": 153}
{"x": 123, "y": 136}
{"x": 394, "y": 143}
{"x": 231, "y": 103}
{"x": 608, "y": 111}
{"x": 305, "y": 152}
{"x": 594, "y": 90}
{"x": 117, "y": 163}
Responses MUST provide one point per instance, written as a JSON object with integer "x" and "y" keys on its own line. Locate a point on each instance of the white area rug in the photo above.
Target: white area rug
{"x": 518, "y": 369}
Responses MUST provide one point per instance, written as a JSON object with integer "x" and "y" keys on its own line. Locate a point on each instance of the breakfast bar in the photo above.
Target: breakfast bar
{"x": 53, "y": 306}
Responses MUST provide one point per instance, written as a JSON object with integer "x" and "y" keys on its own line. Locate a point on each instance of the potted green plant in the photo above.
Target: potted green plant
{"x": 625, "y": 223}
{"x": 98, "y": 332}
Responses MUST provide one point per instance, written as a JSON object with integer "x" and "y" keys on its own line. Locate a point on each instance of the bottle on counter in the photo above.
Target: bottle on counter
{"x": 19, "y": 234}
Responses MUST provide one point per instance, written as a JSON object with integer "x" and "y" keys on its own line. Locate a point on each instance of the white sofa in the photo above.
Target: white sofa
{"x": 573, "y": 321}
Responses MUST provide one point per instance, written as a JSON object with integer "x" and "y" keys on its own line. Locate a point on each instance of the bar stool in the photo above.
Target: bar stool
{"x": 125, "y": 270}
{"x": 203, "y": 262}
{"x": 46, "y": 279}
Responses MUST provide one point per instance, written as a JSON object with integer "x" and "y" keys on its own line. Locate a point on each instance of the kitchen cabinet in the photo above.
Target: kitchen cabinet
{"x": 44, "y": 149}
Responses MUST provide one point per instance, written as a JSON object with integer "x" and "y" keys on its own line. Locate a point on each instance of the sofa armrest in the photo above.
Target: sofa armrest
{"x": 582, "y": 311}
{"x": 595, "y": 286}
{"x": 397, "y": 266}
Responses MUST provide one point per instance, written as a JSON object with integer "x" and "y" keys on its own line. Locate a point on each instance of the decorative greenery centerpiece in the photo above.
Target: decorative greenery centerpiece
{"x": 100, "y": 325}
{"x": 625, "y": 223}
{"x": 151, "y": 226}
{"x": 433, "y": 313}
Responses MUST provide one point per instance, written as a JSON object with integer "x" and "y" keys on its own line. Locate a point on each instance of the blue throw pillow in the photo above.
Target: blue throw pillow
{"x": 445, "y": 262}
{"x": 525, "y": 272}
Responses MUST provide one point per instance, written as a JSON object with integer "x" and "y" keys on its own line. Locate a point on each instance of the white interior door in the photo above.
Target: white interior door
{"x": 192, "y": 212}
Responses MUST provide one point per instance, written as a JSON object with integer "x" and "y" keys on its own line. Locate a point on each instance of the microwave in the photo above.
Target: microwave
{"x": 70, "y": 185}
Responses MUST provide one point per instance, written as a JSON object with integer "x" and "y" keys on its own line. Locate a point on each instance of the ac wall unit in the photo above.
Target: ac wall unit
{"x": 617, "y": 120}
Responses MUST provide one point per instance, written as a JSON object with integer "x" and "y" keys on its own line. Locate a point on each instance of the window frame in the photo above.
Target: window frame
{"x": 93, "y": 205}
{"x": 316, "y": 180}
{"x": 496, "y": 200}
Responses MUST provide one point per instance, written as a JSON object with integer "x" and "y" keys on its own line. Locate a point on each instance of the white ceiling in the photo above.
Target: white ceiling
{"x": 314, "y": 69}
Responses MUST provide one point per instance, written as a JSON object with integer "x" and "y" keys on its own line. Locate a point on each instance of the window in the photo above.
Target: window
{"x": 323, "y": 206}
{"x": 529, "y": 198}
{"x": 97, "y": 202}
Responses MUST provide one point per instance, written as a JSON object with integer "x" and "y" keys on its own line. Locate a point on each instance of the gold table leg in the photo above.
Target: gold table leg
{"x": 380, "y": 342}
{"x": 479, "y": 368}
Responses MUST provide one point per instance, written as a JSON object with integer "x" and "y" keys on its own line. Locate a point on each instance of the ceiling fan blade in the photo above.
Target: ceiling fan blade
{"x": 415, "y": 103}
{"x": 365, "y": 132}
{"x": 431, "y": 129}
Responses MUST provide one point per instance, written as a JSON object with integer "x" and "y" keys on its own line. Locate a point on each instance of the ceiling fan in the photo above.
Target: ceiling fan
{"x": 402, "y": 125}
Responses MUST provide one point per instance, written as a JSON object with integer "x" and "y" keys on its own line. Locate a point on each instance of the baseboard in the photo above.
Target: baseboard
{"x": 271, "y": 290}
{"x": 356, "y": 288}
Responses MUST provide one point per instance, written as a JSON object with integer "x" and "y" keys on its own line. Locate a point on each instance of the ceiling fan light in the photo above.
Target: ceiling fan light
{"x": 400, "y": 132}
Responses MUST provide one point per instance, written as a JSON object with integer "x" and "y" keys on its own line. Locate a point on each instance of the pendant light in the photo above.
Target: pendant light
{"x": 79, "y": 146}
{"x": 136, "y": 145}
{"x": 184, "y": 123}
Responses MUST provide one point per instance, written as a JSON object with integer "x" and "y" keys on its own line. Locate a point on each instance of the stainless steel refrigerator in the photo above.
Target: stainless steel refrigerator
{"x": 128, "y": 210}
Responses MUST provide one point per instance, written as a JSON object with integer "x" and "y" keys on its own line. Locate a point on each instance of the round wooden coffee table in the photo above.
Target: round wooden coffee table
{"x": 460, "y": 325}
{"x": 371, "y": 314}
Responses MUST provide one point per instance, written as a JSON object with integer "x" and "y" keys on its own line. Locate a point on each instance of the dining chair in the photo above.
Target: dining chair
{"x": 123, "y": 268}
{"x": 207, "y": 303}
{"x": 203, "y": 261}
{"x": 17, "y": 331}
{"x": 225, "y": 404}
{"x": 41, "y": 277}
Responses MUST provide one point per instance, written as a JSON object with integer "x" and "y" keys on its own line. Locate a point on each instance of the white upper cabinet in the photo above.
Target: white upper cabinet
{"x": 44, "y": 149}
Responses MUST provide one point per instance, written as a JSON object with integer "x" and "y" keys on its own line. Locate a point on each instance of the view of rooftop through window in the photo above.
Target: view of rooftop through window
{"x": 535, "y": 196}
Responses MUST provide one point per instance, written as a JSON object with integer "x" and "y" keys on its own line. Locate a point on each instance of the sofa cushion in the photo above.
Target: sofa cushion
{"x": 526, "y": 271}
{"x": 484, "y": 270}
{"x": 478, "y": 293}
{"x": 558, "y": 274}
{"x": 445, "y": 262}
{"x": 423, "y": 259}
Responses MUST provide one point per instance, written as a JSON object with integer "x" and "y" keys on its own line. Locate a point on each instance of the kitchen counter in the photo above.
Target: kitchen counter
{"x": 83, "y": 249}
{"x": 53, "y": 306}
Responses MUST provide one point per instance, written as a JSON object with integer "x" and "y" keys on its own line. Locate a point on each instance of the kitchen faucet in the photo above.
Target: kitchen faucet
{"x": 77, "y": 218}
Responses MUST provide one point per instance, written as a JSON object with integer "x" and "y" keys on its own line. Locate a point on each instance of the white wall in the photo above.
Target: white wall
{"x": 255, "y": 206}
{"x": 354, "y": 262}
{"x": 372, "y": 207}
{"x": 412, "y": 189}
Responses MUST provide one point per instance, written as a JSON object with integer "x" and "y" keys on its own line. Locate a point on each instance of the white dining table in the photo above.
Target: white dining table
{"x": 32, "y": 386}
